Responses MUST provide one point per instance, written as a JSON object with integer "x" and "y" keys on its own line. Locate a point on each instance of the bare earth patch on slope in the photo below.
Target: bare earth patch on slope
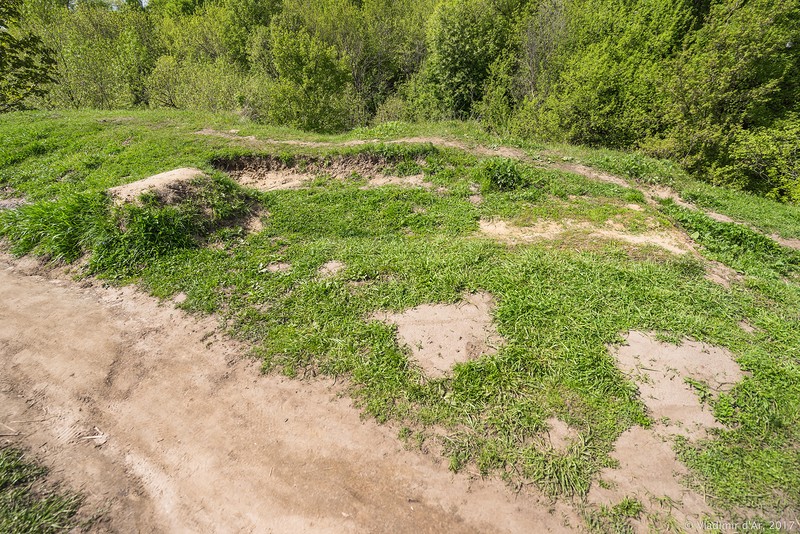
{"x": 650, "y": 472}
{"x": 441, "y": 335}
{"x": 672, "y": 241}
{"x": 11, "y": 203}
{"x": 177, "y": 405}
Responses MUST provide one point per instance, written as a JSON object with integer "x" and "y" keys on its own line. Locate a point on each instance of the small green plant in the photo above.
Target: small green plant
{"x": 500, "y": 174}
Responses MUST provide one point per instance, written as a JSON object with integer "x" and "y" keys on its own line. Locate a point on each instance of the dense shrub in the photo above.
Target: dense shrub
{"x": 769, "y": 159}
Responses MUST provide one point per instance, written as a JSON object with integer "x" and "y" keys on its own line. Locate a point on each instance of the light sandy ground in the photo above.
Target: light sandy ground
{"x": 11, "y": 203}
{"x": 660, "y": 371}
{"x": 157, "y": 418}
{"x": 671, "y": 240}
{"x": 441, "y": 335}
{"x": 331, "y": 268}
{"x": 648, "y": 467}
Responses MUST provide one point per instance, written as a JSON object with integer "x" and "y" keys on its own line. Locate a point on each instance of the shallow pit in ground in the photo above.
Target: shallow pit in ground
{"x": 442, "y": 335}
{"x": 270, "y": 173}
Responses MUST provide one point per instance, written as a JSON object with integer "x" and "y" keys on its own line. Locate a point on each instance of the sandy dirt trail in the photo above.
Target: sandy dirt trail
{"x": 162, "y": 423}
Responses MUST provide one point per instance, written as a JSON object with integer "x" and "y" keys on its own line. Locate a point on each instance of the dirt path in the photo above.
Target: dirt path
{"x": 158, "y": 419}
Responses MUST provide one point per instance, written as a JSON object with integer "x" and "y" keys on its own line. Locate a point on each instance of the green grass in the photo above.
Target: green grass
{"x": 559, "y": 304}
{"x": 27, "y": 503}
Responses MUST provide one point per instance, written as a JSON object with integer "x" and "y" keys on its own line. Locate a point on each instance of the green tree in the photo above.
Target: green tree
{"x": 312, "y": 89}
{"x": 26, "y": 65}
{"x": 464, "y": 38}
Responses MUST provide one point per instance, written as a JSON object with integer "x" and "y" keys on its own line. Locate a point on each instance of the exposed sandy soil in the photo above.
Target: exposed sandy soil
{"x": 589, "y": 172}
{"x": 159, "y": 420}
{"x": 417, "y": 180}
{"x": 270, "y": 174}
{"x": 331, "y": 268}
{"x": 441, "y": 335}
{"x": 660, "y": 370}
{"x": 560, "y": 435}
{"x": 648, "y": 468}
{"x": 169, "y": 186}
{"x": 787, "y": 242}
{"x": 11, "y": 203}
{"x": 649, "y": 472}
{"x": 672, "y": 240}
{"x": 280, "y": 267}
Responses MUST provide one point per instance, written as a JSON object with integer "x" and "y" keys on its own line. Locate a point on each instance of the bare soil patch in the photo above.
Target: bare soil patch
{"x": 441, "y": 335}
{"x": 267, "y": 173}
{"x": 661, "y": 371}
{"x": 672, "y": 241}
{"x": 11, "y": 203}
{"x": 195, "y": 439}
{"x": 591, "y": 173}
{"x": 170, "y": 187}
{"x": 787, "y": 242}
{"x": 560, "y": 435}
{"x": 650, "y": 472}
{"x": 331, "y": 268}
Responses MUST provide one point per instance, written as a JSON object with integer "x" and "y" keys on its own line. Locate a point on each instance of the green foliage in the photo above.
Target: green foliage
{"x": 736, "y": 245}
{"x": 738, "y": 71}
{"x": 465, "y": 37}
{"x": 768, "y": 159}
{"x": 26, "y": 65}
{"x": 103, "y": 56}
{"x": 312, "y": 88}
{"x": 499, "y": 174}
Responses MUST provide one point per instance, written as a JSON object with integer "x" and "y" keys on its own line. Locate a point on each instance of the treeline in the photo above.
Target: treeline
{"x": 713, "y": 84}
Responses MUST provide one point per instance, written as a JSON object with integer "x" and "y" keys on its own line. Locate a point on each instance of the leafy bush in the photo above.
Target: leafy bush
{"x": 499, "y": 174}
{"x": 769, "y": 158}
{"x": 465, "y": 37}
{"x": 313, "y": 87}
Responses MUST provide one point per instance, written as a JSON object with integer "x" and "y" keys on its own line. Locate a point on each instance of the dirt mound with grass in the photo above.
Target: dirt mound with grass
{"x": 442, "y": 335}
{"x": 269, "y": 173}
{"x": 170, "y": 187}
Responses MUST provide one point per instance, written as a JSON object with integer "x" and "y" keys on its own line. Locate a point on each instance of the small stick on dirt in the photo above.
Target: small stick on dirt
{"x": 13, "y": 432}
{"x": 28, "y": 421}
